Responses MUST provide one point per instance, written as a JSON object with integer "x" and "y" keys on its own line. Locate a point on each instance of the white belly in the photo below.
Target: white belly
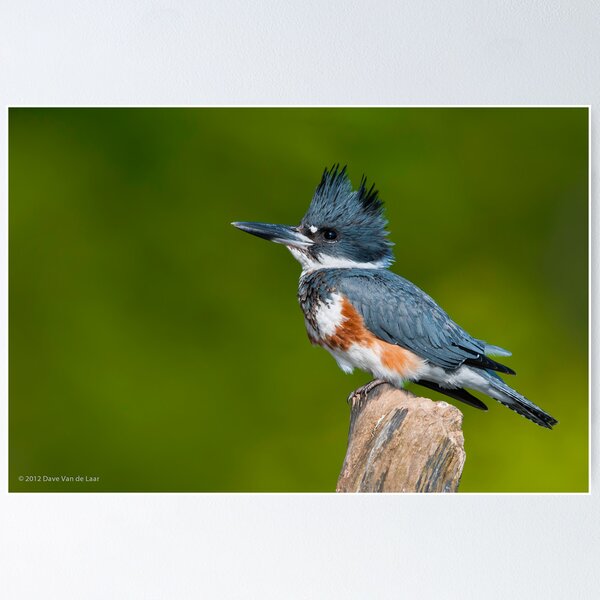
{"x": 369, "y": 359}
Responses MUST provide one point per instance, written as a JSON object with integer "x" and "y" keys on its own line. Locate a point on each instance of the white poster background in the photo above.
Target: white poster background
{"x": 179, "y": 546}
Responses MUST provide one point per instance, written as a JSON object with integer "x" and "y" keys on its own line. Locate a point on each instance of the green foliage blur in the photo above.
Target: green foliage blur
{"x": 156, "y": 347}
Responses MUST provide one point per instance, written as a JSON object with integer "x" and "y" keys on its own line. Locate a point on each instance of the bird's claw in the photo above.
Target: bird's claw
{"x": 362, "y": 392}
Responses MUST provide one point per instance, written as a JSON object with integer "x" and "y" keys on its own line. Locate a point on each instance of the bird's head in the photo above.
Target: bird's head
{"x": 342, "y": 227}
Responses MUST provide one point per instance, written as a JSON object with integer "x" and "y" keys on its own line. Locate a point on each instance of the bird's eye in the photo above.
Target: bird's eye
{"x": 329, "y": 234}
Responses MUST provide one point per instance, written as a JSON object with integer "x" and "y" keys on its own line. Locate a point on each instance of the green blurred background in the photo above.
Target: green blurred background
{"x": 156, "y": 347}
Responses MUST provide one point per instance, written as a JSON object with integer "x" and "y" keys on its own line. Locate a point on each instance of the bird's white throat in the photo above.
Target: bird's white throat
{"x": 310, "y": 264}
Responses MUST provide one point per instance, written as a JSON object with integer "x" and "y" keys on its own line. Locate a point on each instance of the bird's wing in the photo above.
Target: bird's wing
{"x": 398, "y": 312}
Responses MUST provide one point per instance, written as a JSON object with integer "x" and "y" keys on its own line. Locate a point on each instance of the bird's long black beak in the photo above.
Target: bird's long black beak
{"x": 280, "y": 234}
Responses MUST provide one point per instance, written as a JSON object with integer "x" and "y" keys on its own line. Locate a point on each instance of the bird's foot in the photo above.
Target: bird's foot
{"x": 362, "y": 392}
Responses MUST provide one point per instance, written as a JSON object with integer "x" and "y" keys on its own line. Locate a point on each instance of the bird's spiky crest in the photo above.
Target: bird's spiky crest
{"x": 334, "y": 198}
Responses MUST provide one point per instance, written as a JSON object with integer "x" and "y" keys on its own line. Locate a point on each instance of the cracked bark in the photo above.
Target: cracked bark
{"x": 399, "y": 442}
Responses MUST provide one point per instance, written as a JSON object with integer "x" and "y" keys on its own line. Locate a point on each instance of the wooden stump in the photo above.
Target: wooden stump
{"x": 399, "y": 442}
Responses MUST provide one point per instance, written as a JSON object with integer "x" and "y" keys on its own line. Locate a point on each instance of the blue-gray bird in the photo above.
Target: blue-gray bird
{"x": 372, "y": 319}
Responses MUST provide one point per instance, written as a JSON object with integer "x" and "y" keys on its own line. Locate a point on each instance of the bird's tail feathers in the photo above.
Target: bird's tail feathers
{"x": 496, "y": 350}
{"x": 456, "y": 393}
{"x": 512, "y": 399}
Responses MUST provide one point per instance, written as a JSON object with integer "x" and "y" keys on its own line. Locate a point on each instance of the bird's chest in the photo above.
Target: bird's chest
{"x": 322, "y": 306}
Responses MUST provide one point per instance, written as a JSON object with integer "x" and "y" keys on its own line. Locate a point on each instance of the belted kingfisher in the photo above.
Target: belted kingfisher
{"x": 372, "y": 319}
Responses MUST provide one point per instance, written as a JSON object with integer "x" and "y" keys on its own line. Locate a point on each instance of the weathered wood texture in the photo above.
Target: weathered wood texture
{"x": 401, "y": 443}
